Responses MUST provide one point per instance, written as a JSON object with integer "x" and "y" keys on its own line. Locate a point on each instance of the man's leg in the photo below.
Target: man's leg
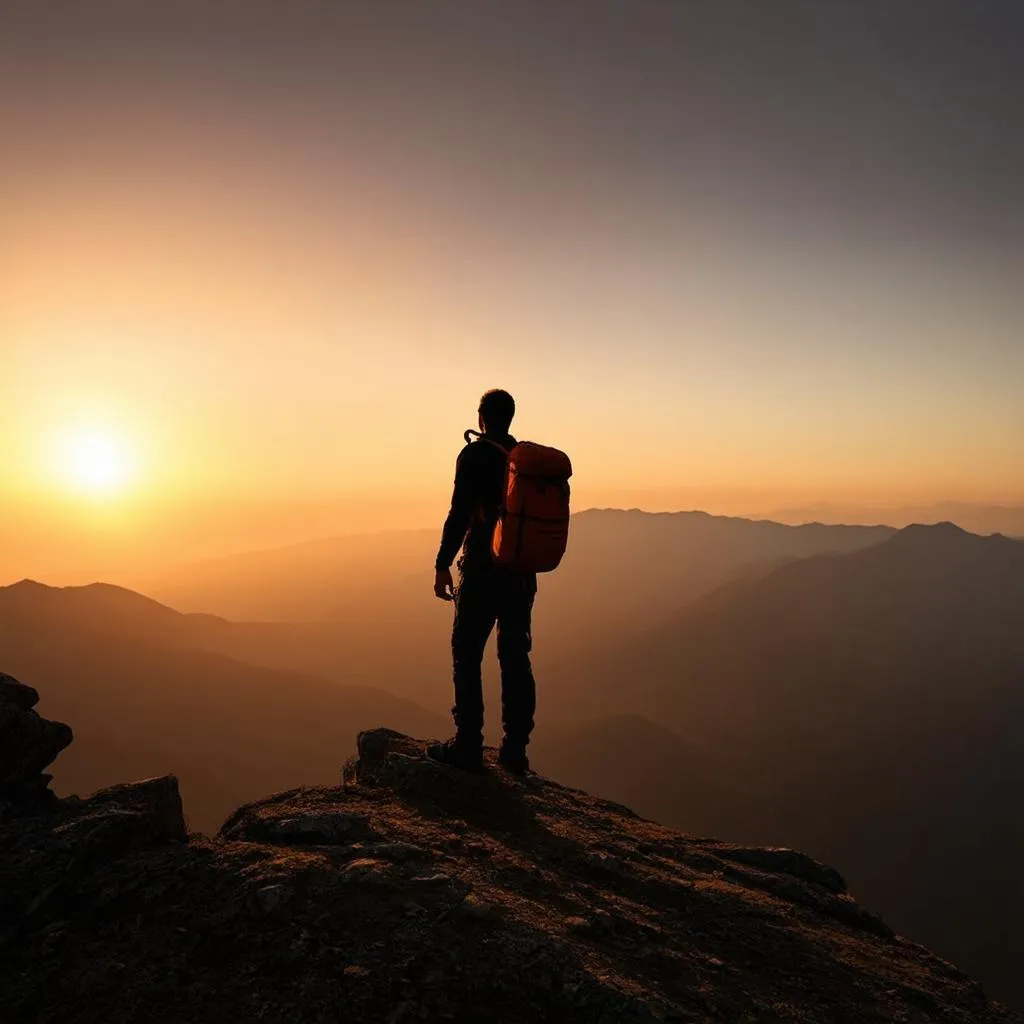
{"x": 474, "y": 620}
{"x": 518, "y": 690}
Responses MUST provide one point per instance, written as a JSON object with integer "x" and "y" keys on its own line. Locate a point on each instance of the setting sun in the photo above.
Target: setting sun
{"x": 95, "y": 462}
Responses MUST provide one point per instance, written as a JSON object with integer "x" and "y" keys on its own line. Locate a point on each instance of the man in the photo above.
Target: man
{"x": 487, "y": 593}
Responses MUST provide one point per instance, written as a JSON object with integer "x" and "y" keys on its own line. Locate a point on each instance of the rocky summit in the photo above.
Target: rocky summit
{"x": 415, "y": 892}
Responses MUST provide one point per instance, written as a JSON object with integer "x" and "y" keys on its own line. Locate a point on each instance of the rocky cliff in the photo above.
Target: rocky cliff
{"x": 413, "y": 892}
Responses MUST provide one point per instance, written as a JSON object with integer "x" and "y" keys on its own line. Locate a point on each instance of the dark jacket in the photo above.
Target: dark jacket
{"x": 476, "y": 502}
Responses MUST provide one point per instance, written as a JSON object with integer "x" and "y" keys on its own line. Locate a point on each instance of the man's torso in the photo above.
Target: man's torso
{"x": 486, "y": 465}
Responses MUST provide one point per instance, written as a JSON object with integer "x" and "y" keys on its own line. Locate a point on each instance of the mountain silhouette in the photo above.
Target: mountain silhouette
{"x": 148, "y": 694}
{"x": 103, "y": 609}
{"x": 977, "y": 518}
{"x": 639, "y": 762}
{"x": 669, "y": 558}
{"x": 243, "y": 729}
{"x": 415, "y": 892}
{"x": 623, "y": 571}
{"x": 917, "y": 612}
{"x": 867, "y": 707}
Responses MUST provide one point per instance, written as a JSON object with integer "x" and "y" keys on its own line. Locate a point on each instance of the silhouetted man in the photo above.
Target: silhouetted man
{"x": 487, "y": 593}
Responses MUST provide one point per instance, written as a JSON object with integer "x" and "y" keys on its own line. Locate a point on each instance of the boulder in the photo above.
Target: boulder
{"x": 154, "y": 806}
{"x": 13, "y": 692}
{"x": 28, "y": 742}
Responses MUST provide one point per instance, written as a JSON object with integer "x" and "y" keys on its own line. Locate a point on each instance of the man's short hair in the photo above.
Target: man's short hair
{"x": 497, "y": 408}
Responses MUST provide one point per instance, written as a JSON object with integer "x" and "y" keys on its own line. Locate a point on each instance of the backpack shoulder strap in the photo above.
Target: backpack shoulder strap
{"x": 480, "y": 437}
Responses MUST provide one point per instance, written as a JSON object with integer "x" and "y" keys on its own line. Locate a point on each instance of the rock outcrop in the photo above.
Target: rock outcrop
{"x": 413, "y": 892}
{"x": 28, "y": 744}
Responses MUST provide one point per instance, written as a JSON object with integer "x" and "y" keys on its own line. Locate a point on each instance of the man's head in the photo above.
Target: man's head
{"x": 497, "y": 408}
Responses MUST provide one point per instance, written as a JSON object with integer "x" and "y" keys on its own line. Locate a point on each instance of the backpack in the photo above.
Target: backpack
{"x": 533, "y": 525}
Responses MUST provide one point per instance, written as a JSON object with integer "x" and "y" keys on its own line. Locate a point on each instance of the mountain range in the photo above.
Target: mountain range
{"x": 150, "y": 690}
{"x": 867, "y": 706}
{"x": 973, "y": 516}
{"x": 856, "y": 692}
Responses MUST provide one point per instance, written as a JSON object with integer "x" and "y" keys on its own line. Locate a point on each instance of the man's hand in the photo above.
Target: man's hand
{"x": 444, "y": 586}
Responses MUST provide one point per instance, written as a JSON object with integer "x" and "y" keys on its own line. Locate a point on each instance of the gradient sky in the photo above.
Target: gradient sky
{"x": 728, "y": 255}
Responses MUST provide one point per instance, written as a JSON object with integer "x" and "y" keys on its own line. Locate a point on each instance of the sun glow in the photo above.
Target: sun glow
{"x": 95, "y": 462}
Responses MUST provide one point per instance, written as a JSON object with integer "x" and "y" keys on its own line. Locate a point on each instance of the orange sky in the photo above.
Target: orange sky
{"x": 282, "y": 308}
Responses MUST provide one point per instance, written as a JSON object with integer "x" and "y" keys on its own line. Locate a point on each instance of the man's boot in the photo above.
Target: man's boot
{"x": 512, "y": 757}
{"x": 458, "y": 753}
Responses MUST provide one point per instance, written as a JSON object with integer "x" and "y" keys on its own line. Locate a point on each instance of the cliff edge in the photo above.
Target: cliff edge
{"x": 414, "y": 892}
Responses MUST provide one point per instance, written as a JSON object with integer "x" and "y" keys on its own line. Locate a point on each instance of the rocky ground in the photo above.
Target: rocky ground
{"x": 414, "y": 892}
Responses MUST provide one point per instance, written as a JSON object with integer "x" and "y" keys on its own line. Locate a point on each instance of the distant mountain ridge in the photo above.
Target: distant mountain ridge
{"x": 869, "y": 704}
{"x": 866, "y": 704}
{"x": 337, "y": 608}
{"x": 919, "y": 572}
{"x": 151, "y": 689}
{"x": 189, "y": 665}
{"x": 973, "y": 517}
{"x": 666, "y": 559}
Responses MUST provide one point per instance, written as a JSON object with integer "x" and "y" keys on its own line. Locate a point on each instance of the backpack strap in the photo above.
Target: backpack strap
{"x": 480, "y": 437}
{"x": 504, "y": 451}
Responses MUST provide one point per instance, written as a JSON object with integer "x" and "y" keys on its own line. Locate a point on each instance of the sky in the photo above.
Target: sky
{"x": 258, "y": 261}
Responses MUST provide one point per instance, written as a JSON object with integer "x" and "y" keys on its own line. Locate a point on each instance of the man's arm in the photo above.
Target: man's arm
{"x": 460, "y": 517}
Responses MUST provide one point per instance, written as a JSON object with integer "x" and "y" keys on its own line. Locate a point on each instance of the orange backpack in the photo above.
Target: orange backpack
{"x": 533, "y": 527}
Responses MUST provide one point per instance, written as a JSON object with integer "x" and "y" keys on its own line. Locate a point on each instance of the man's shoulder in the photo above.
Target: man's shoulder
{"x": 467, "y": 453}
{"x": 484, "y": 451}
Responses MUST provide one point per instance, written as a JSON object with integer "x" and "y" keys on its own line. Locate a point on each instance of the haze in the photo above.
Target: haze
{"x": 756, "y": 267}
{"x": 729, "y": 257}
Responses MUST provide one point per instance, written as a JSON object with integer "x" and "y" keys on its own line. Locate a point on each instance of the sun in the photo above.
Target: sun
{"x": 95, "y": 462}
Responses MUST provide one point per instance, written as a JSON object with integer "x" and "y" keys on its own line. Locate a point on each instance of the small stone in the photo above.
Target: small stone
{"x": 316, "y": 828}
{"x": 355, "y": 971}
{"x": 599, "y": 859}
{"x": 270, "y": 897}
{"x": 577, "y": 924}
{"x": 365, "y": 869}
{"x": 328, "y": 827}
{"x": 439, "y": 879}
{"x": 396, "y": 851}
{"x": 376, "y": 763}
